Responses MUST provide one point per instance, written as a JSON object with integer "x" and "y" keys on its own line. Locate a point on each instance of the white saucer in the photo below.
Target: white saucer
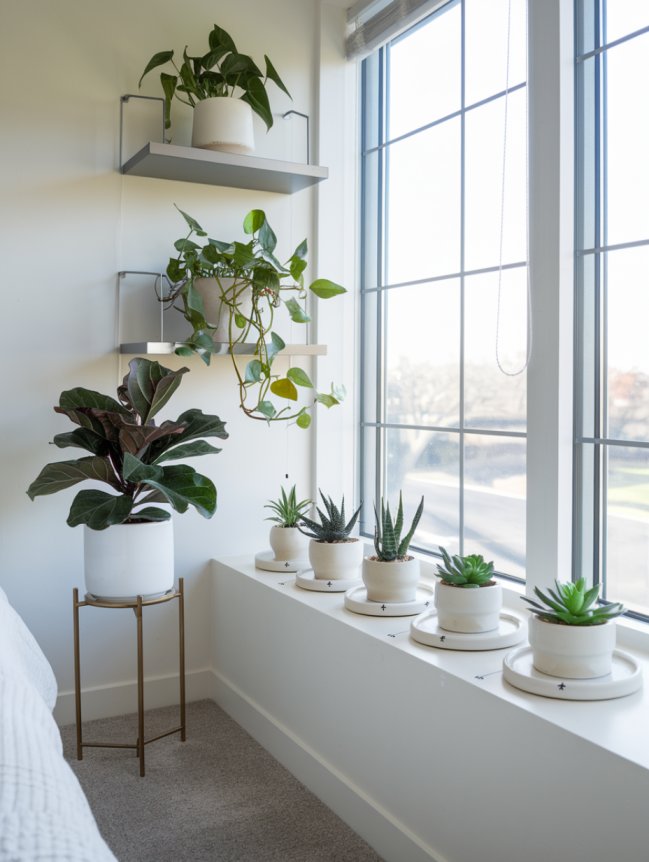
{"x": 356, "y": 600}
{"x": 426, "y": 630}
{"x": 625, "y": 678}
{"x": 308, "y": 581}
{"x": 266, "y": 560}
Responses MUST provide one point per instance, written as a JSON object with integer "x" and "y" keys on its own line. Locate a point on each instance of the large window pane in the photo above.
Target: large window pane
{"x": 423, "y": 204}
{"x": 486, "y": 47}
{"x": 627, "y": 563}
{"x": 422, "y": 354}
{"x": 484, "y": 175}
{"x": 624, "y": 17}
{"x": 493, "y": 400}
{"x": 427, "y": 463}
{"x": 628, "y": 344}
{"x": 424, "y": 82}
{"x": 494, "y": 500}
{"x": 627, "y": 142}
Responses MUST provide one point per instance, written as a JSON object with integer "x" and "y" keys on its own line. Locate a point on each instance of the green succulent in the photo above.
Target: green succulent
{"x": 388, "y": 543}
{"x": 469, "y": 571}
{"x": 571, "y": 603}
{"x": 287, "y": 509}
{"x": 332, "y": 526}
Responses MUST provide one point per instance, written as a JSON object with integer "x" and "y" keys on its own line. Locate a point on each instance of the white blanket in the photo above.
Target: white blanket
{"x": 44, "y": 815}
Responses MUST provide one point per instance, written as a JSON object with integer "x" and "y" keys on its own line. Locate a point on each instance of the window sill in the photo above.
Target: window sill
{"x": 617, "y": 725}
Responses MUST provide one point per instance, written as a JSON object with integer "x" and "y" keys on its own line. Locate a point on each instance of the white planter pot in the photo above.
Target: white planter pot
{"x": 217, "y": 314}
{"x": 336, "y": 560}
{"x": 129, "y": 560}
{"x": 468, "y": 610}
{"x": 287, "y": 543}
{"x": 395, "y": 581}
{"x": 572, "y": 652}
{"x": 223, "y": 123}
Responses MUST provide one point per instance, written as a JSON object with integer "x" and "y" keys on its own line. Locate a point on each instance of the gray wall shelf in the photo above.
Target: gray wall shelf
{"x": 194, "y": 165}
{"x": 162, "y": 348}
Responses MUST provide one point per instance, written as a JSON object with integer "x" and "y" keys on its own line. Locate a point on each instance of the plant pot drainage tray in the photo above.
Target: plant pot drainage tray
{"x": 426, "y": 630}
{"x": 356, "y": 600}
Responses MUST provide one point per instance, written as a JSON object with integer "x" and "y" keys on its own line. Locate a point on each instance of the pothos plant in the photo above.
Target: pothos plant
{"x": 222, "y": 71}
{"x": 257, "y": 285}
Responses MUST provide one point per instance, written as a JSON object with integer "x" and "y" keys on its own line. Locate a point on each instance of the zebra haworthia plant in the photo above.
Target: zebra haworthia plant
{"x": 128, "y": 452}
{"x": 388, "y": 543}
{"x": 332, "y": 527}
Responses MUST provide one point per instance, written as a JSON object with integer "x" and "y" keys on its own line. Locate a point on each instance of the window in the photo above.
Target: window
{"x": 444, "y": 286}
{"x": 612, "y": 370}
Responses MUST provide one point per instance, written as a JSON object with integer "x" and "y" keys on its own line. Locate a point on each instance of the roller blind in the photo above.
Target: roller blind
{"x": 371, "y": 23}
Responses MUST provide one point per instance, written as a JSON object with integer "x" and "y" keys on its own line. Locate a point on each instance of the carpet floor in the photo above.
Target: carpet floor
{"x": 217, "y": 796}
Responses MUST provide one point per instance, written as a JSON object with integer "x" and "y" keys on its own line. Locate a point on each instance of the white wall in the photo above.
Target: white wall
{"x": 70, "y": 222}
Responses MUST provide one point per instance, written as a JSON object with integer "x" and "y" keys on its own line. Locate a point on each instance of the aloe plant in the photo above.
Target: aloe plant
{"x": 388, "y": 543}
{"x": 255, "y": 269}
{"x": 468, "y": 571}
{"x": 288, "y": 510}
{"x": 222, "y": 71}
{"x": 572, "y": 604}
{"x": 128, "y": 451}
{"x": 332, "y": 526}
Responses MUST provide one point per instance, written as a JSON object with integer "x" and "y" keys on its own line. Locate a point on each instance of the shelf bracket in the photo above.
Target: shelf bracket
{"x": 159, "y": 278}
{"x": 122, "y": 101}
{"x": 308, "y": 140}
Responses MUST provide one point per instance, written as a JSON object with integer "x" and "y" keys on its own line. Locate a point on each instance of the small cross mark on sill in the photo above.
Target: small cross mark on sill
{"x": 561, "y": 686}
{"x": 383, "y": 607}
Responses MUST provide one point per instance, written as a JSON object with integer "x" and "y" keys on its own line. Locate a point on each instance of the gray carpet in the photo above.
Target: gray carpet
{"x": 217, "y": 796}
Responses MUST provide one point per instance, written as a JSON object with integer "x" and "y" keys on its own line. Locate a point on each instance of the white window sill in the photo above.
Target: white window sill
{"x": 617, "y": 725}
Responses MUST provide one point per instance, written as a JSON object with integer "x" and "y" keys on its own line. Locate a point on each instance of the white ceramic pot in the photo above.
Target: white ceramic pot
{"x": 336, "y": 561}
{"x": 129, "y": 560}
{"x": 572, "y": 652}
{"x": 468, "y": 610}
{"x": 223, "y": 123}
{"x": 217, "y": 314}
{"x": 394, "y": 581}
{"x": 288, "y": 543}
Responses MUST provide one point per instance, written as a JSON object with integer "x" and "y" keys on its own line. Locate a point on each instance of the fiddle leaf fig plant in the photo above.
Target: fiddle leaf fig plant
{"x": 257, "y": 285}
{"x": 128, "y": 452}
{"x": 222, "y": 71}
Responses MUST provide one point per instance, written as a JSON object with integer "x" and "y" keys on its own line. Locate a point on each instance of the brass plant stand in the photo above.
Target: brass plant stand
{"x": 137, "y": 606}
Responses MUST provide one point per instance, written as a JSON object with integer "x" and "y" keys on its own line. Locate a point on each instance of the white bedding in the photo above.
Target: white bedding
{"x": 44, "y": 815}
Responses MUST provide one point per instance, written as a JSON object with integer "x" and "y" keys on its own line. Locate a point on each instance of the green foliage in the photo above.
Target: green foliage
{"x": 571, "y": 603}
{"x": 332, "y": 526}
{"x": 287, "y": 509}
{"x": 258, "y": 278}
{"x": 388, "y": 543}
{"x": 128, "y": 451}
{"x": 468, "y": 571}
{"x": 222, "y": 71}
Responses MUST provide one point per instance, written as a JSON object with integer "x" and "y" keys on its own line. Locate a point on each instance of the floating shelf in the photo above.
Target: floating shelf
{"x": 162, "y": 348}
{"x": 194, "y": 165}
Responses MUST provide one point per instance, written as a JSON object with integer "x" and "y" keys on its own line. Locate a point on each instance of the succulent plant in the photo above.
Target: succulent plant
{"x": 572, "y": 604}
{"x": 468, "y": 571}
{"x": 388, "y": 543}
{"x": 287, "y": 509}
{"x": 332, "y": 526}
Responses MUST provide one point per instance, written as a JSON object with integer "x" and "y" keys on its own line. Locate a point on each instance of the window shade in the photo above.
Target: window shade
{"x": 372, "y": 23}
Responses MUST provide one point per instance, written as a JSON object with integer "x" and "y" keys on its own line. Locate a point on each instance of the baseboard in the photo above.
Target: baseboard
{"x": 121, "y": 698}
{"x": 391, "y": 839}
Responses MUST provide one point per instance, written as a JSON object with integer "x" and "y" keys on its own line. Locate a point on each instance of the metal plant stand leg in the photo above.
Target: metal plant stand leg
{"x": 136, "y": 605}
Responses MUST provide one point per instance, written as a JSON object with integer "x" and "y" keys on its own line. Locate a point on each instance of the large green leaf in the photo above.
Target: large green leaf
{"x": 257, "y": 98}
{"x": 298, "y": 314}
{"x": 303, "y": 420}
{"x": 82, "y": 438}
{"x": 299, "y": 377}
{"x": 99, "y": 510}
{"x": 137, "y": 438}
{"x": 158, "y": 59}
{"x": 253, "y": 371}
{"x": 151, "y": 513}
{"x": 63, "y": 474}
{"x": 148, "y": 386}
{"x": 276, "y": 344}
{"x": 219, "y": 39}
{"x": 271, "y": 73}
{"x": 135, "y": 470}
{"x": 73, "y": 399}
{"x": 188, "y": 450}
{"x": 253, "y": 221}
{"x": 284, "y": 388}
{"x": 168, "y": 83}
{"x": 183, "y": 486}
{"x": 192, "y": 224}
{"x": 325, "y": 289}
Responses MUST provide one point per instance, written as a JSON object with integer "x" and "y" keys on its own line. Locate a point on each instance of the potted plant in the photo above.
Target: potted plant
{"x": 466, "y": 596}
{"x": 128, "y": 541}
{"x": 286, "y": 540}
{"x": 250, "y": 283}
{"x": 223, "y": 87}
{"x": 391, "y": 574}
{"x": 571, "y": 636}
{"x": 333, "y": 553}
